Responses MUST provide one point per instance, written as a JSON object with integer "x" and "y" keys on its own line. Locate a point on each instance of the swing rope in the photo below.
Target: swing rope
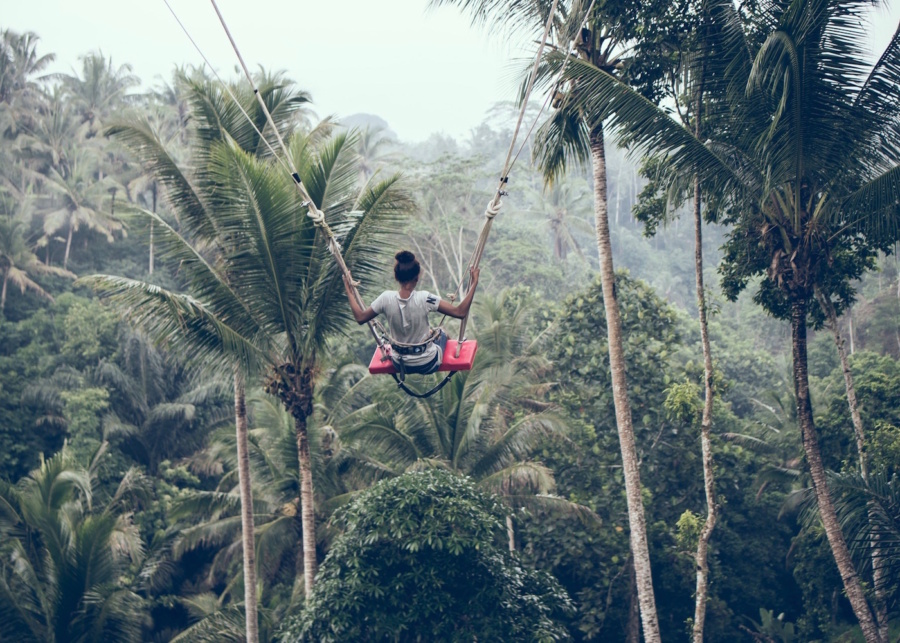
{"x": 313, "y": 211}
{"x": 493, "y": 207}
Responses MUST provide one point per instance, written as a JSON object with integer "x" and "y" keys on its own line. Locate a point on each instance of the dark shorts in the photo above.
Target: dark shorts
{"x": 432, "y": 366}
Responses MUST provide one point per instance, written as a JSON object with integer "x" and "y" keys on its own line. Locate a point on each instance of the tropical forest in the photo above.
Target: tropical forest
{"x": 669, "y": 401}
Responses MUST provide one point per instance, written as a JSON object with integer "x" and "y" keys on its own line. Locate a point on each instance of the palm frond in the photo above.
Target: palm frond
{"x": 546, "y": 503}
{"x": 520, "y": 478}
{"x": 204, "y": 503}
{"x": 138, "y": 136}
{"x": 210, "y": 534}
{"x": 223, "y": 626}
{"x": 514, "y": 16}
{"x": 178, "y": 321}
{"x": 607, "y": 99}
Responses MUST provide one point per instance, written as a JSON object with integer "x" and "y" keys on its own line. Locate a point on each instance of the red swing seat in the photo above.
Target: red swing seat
{"x": 379, "y": 366}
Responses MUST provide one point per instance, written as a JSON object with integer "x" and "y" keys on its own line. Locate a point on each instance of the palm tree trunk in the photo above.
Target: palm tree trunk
{"x": 154, "y": 192}
{"x": 709, "y": 482}
{"x": 151, "y": 248}
{"x": 511, "y": 533}
{"x": 636, "y": 522}
{"x": 633, "y": 625}
{"x": 878, "y": 571}
{"x": 3, "y": 292}
{"x": 307, "y": 506}
{"x": 68, "y": 246}
{"x": 248, "y": 540}
{"x": 852, "y": 586}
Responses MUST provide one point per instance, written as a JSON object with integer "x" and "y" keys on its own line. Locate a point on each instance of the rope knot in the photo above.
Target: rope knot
{"x": 493, "y": 209}
{"x": 316, "y": 215}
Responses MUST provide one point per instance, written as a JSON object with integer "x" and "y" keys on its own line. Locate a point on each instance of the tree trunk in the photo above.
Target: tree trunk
{"x": 151, "y": 248}
{"x": 247, "y": 527}
{"x": 878, "y": 571}
{"x": 636, "y": 523}
{"x": 633, "y": 625}
{"x": 68, "y": 247}
{"x": 852, "y": 586}
{"x": 709, "y": 483}
{"x": 307, "y": 506}
{"x": 511, "y": 533}
{"x": 3, "y": 292}
{"x": 154, "y": 192}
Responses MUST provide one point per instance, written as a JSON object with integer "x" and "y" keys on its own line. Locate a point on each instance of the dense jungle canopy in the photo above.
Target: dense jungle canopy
{"x": 683, "y": 419}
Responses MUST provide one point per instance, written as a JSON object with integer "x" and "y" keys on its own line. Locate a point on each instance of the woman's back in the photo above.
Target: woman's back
{"x": 408, "y": 319}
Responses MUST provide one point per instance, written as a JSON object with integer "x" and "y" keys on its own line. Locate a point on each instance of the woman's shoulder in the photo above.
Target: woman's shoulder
{"x": 425, "y": 297}
{"x": 387, "y": 296}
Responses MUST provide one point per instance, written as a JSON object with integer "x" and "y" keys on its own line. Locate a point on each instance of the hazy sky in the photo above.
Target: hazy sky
{"x": 421, "y": 70}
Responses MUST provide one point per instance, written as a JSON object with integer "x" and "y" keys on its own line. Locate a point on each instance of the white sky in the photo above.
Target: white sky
{"x": 421, "y": 70}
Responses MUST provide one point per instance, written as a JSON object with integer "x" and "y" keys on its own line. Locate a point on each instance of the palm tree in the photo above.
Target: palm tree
{"x": 575, "y": 134}
{"x": 221, "y": 122}
{"x": 19, "y": 62}
{"x": 62, "y": 559}
{"x": 559, "y": 209}
{"x": 160, "y": 409}
{"x": 274, "y": 295}
{"x": 802, "y": 162}
{"x": 373, "y": 147}
{"x": 19, "y": 91}
{"x": 18, "y": 263}
{"x": 75, "y": 203}
{"x": 100, "y": 88}
{"x": 666, "y": 192}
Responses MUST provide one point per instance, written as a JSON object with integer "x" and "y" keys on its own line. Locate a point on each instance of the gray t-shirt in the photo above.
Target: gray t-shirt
{"x": 408, "y": 320}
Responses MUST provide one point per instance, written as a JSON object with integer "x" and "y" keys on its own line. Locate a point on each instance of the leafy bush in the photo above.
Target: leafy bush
{"x": 421, "y": 558}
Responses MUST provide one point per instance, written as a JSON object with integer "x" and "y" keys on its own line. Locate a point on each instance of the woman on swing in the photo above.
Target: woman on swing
{"x": 406, "y": 310}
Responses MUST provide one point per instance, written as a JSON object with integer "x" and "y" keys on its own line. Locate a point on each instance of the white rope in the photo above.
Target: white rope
{"x": 226, "y": 87}
{"x": 555, "y": 86}
{"x": 318, "y": 217}
{"x": 494, "y": 205}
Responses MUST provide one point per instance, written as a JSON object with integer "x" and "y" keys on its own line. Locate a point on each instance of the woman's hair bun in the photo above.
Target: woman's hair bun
{"x": 407, "y": 268}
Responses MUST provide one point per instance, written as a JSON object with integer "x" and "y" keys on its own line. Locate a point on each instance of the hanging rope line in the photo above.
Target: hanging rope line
{"x": 550, "y": 95}
{"x": 493, "y": 207}
{"x": 227, "y": 88}
{"x": 555, "y": 86}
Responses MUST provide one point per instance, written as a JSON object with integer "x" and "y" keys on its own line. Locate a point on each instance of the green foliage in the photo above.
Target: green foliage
{"x": 62, "y": 559}
{"x": 683, "y": 402}
{"x": 876, "y": 380}
{"x": 775, "y": 627}
{"x": 688, "y": 531}
{"x": 68, "y": 373}
{"x": 420, "y": 558}
{"x": 90, "y": 334}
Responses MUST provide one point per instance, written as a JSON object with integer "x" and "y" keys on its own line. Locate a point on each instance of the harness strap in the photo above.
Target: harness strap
{"x": 411, "y": 349}
{"x": 402, "y": 385}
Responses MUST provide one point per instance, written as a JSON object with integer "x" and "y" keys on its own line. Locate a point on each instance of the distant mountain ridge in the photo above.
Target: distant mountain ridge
{"x": 362, "y": 121}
